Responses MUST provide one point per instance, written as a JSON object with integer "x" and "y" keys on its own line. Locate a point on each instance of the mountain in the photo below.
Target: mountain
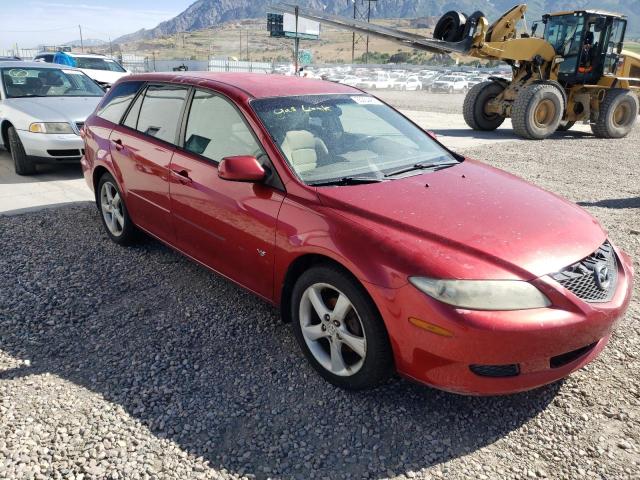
{"x": 87, "y": 42}
{"x": 209, "y": 13}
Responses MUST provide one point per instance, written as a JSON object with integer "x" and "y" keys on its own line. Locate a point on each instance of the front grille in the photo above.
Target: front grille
{"x": 65, "y": 153}
{"x": 561, "y": 360}
{"x": 510, "y": 370}
{"x": 593, "y": 279}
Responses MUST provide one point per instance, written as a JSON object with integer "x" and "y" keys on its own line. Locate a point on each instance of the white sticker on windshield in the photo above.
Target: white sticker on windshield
{"x": 72, "y": 72}
{"x": 364, "y": 100}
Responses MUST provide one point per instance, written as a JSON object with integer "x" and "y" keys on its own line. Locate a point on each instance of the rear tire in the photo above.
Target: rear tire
{"x": 537, "y": 111}
{"x": 332, "y": 312}
{"x": 22, "y": 164}
{"x": 113, "y": 212}
{"x": 618, "y": 114}
{"x": 475, "y": 103}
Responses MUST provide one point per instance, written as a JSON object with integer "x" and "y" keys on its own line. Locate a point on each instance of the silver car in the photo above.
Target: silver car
{"x": 42, "y": 108}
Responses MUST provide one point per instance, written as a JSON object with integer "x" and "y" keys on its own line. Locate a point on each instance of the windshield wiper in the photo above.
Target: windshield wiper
{"x": 420, "y": 166}
{"x": 346, "y": 181}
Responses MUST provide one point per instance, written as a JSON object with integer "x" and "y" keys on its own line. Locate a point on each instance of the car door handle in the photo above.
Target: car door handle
{"x": 182, "y": 176}
{"x": 118, "y": 144}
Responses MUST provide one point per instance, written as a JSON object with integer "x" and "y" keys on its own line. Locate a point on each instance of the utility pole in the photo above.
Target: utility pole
{"x": 248, "y": 59}
{"x": 366, "y": 53}
{"x": 240, "y": 56}
{"x": 297, "y": 44}
{"x": 359, "y": 13}
{"x": 81, "y": 42}
{"x": 353, "y": 35}
{"x": 110, "y": 47}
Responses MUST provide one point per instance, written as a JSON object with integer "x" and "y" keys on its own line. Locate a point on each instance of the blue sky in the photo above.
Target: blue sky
{"x": 32, "y": 22}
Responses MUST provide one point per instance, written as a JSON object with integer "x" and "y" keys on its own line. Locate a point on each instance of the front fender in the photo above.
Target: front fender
{"x": 303, "y": 230}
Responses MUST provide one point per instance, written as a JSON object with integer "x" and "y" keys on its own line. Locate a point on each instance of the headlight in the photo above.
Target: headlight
{"x": 50, "y": 127}
{"x": 483, "y": 294}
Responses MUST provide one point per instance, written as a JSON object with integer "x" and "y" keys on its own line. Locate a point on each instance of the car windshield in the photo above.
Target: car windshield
{"x": 448, "y": 79}
{"x": 94, "y": 63}
{"x": 48, "y": 82}
{"x": 332, "y": 137}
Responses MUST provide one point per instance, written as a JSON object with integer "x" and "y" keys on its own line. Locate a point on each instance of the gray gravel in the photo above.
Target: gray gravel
{"x": 136, "y": 363}
{"x": 422, "y": 100}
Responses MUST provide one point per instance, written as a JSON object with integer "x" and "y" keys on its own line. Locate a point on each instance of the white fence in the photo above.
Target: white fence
{"x": 135, "y": 63}
{"x": 23, "y": 53}
{"x": 239, "y": 66}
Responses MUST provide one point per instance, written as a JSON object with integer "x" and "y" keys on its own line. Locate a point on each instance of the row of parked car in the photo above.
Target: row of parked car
{"x": 440, "y": 81}
{"x": 43, "y": 106}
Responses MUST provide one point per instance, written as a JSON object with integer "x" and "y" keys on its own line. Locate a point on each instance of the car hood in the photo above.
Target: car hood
{"x": 104, "y": 76}
{"x": 55, "y": 109}
{"x": 480, "y": 221}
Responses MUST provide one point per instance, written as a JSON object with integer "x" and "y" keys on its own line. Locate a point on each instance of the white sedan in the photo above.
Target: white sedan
{"x": 42, "y": 108}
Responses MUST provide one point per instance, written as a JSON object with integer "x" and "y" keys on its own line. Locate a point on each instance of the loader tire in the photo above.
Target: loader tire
{"x": 474, "y": 106}
{"x": 537, "y": 111}
{"x": 618, "y": 114}
{"x": 450, "y": 27}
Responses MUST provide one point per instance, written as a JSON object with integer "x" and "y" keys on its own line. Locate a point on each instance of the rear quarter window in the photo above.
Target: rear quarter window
{"x": 117, "y": 101}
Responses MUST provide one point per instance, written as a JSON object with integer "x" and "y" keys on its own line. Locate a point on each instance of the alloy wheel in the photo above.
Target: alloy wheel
{"x": 332, "y": 329}
{"x": 112, "y": 208}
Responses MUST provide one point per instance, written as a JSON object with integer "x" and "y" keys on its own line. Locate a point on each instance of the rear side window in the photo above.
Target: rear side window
{"x": 160, "y": 111}
{"x": 117, "y": 101}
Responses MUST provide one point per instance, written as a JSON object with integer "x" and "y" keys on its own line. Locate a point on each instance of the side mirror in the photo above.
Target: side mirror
{"x": 242, "y": 168}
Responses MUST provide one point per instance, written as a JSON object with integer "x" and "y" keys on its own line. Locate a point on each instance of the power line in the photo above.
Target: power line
{"x": 38, "y": 31}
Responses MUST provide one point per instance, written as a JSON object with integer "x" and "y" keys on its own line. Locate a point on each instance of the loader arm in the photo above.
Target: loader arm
{"x": 404, "y": 38}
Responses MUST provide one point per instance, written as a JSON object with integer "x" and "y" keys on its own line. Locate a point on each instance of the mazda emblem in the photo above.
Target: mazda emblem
{"x": 601, "y": 276}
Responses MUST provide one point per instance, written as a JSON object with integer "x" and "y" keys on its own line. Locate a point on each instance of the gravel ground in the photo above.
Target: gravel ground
{"x": 136, "y": 363}
{"x": 422, "y": 100}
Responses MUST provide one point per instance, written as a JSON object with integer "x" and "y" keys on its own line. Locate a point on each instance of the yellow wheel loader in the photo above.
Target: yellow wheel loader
{"x": 570, "y": 67}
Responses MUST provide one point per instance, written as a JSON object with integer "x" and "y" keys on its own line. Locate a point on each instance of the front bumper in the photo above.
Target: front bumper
{"x": 544, "y": 344}
{"x": 52, "y": 148}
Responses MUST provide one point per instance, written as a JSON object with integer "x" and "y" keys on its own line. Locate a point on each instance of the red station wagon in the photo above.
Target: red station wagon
{"x": 385, "y": 250}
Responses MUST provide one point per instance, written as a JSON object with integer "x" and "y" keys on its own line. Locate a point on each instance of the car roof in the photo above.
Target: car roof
{"x": 256, "y": 85}
{"x": 87, "y": 55}
{"x": 27, "y": 64}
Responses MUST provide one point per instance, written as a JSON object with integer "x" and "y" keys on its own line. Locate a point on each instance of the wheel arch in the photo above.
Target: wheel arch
{"x": 297, "y": 267}
{"x": 4, "y": 133}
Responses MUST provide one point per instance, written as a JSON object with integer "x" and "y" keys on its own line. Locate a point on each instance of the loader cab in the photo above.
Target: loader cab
{"x": 589, "y": 41}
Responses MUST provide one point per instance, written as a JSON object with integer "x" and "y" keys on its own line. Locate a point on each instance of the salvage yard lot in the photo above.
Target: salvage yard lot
{"x": 136, "y": 363}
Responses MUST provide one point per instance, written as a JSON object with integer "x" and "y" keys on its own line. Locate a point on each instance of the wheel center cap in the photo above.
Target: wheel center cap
{"x": 331, "y": 329}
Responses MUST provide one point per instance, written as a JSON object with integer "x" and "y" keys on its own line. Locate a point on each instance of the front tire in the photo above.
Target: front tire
{"x": 537, "y": 111}
{"x": 475, "y": 104}
{"x": 340, "y": 330}
{"x": 618, "y": 113}
{"x": 113, "y": 212}
{"x": 21, "y": 163}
